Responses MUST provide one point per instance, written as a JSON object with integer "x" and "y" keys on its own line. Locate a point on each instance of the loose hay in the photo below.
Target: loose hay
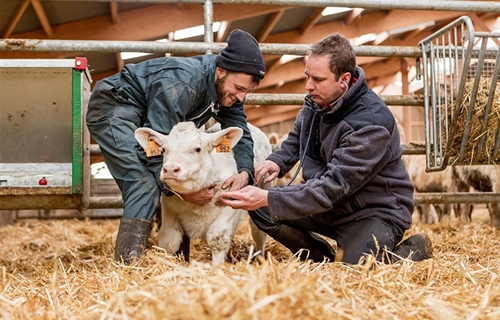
{"x": 472, "y": 153}
{"x": 64, "y": 270}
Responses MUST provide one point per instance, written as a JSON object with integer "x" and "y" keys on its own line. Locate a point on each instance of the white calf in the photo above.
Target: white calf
{"x": 194, "y": 160}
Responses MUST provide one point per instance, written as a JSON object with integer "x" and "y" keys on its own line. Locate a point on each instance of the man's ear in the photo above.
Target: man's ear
{"x": 221, "y": 73}
{"x": 346, "y": 77}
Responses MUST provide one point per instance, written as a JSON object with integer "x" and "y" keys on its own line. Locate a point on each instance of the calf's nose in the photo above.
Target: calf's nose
{"x": 171, "y": 170}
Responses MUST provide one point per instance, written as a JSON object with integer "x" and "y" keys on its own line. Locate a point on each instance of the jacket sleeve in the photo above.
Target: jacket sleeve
{"x": 361, "y": 155}
{"x": 243, "y": 151}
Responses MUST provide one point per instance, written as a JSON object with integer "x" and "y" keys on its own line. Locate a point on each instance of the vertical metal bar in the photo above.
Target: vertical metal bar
{"x": 454, "y": 76}
{"x": 449, "y": 96}
{"x": 472, "y": 101}
{"x": 425, "y": 64}
{"x": 77, "y": 144}
{"x": 494, "y": 82}
{"x": 487, "y": 109}
{"x": 467, "y": 37}
{"x": 434, "y": 101}
{"x": 437, "y": 89}
{"x": 441, "y": 92}
{"x": 208, "y": 21}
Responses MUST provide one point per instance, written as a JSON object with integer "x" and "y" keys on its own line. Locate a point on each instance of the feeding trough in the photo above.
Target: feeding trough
{"x": 461, "y": 96}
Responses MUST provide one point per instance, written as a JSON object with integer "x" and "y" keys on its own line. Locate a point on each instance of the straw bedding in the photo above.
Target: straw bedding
{"x": 64, "y": 270}
{"x": 472, "y": 153}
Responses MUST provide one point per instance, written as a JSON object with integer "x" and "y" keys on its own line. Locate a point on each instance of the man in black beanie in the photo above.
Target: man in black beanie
{"x": 158, "y": 94}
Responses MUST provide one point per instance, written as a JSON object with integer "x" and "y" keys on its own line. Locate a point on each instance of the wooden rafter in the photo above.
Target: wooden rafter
{"x": 269, "y": 25}
{"x": 371, "y": 23}
{"x": 223, "y": 31}
{"x": 40, "y": 13}
{"x": 119, "y": 61}
{"x": 351, "y": 16}
{"x": 15, "y": 18}
{"x": 381, "y": 37}
{"x": 113, "y": 8}
{"x": 311, "y": 20}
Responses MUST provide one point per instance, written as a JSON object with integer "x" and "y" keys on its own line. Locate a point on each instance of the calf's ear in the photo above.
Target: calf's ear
{"x": 142, "y": 135}
{"x": 232, "y": 134}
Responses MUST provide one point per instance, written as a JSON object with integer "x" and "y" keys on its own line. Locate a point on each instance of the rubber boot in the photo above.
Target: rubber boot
{"x": 132, "y": 239}
{"x": 418, "y": 247}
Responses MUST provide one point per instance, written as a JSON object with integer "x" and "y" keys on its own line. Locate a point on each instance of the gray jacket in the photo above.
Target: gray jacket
{"x": 352, "y": 166}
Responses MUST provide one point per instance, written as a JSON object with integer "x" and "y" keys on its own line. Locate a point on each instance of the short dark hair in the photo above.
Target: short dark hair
{"x": 342, "y": 55}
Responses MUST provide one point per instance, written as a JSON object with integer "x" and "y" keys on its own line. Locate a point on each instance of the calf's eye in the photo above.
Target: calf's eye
{"x": 197, "y": 150}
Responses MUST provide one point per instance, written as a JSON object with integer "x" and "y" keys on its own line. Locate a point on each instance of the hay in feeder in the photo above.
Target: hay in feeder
{"x": 64, "y": 270}
{"x": 479, "y": 133}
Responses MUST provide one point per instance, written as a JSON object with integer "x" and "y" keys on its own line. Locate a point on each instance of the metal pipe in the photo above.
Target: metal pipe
{"x": 298, "y": 99}
{"x": 419, "y": 198}
{"x": 72, "y": 217}
{"x": 105, "y": 203}
{"x": 94, "y": 149}
{"x": 33, "y": 45}
{"x": 457, "y": 197}
{"x": 435, "y": 5}
{"x": 208, "y": 21}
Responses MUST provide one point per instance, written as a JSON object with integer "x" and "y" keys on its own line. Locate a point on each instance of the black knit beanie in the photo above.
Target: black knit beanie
{"x": 242, "y": 54}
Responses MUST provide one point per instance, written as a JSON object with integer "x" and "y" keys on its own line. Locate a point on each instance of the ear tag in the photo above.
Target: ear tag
{"x": 153, "y": 149}
{"x": 224, "y": 146}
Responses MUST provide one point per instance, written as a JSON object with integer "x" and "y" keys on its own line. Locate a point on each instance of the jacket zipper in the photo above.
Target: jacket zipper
{"x": 211, "y": 106}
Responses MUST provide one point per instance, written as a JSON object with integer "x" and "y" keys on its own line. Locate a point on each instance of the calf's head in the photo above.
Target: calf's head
{"x": 188, "y": 154}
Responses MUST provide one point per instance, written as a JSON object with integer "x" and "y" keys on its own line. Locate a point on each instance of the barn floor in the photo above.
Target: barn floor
{"x": 63, "y": 269}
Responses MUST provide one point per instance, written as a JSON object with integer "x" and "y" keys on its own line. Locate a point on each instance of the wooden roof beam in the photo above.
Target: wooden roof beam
{"x": 312, "y": 20}
{"x": 40, "y": 13}
{"x": 269, "y": 25}
{"x": 223, "y": 31}
{"x": 371, "y": 23}
{"x": 113, "y": 8}
{"x": 352, "y": 15}
{"x": 15, "y": 18}
{"x": 152, "y": 20}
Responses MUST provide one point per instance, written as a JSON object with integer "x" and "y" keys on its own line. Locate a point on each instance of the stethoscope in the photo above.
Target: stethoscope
{"x": 310, "y": 134}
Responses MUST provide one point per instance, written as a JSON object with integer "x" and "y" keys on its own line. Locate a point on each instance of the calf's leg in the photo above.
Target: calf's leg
{"x": 259, "y": 237}
{"x": 219, "y": 240}
{"x": 171, "y": 233}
